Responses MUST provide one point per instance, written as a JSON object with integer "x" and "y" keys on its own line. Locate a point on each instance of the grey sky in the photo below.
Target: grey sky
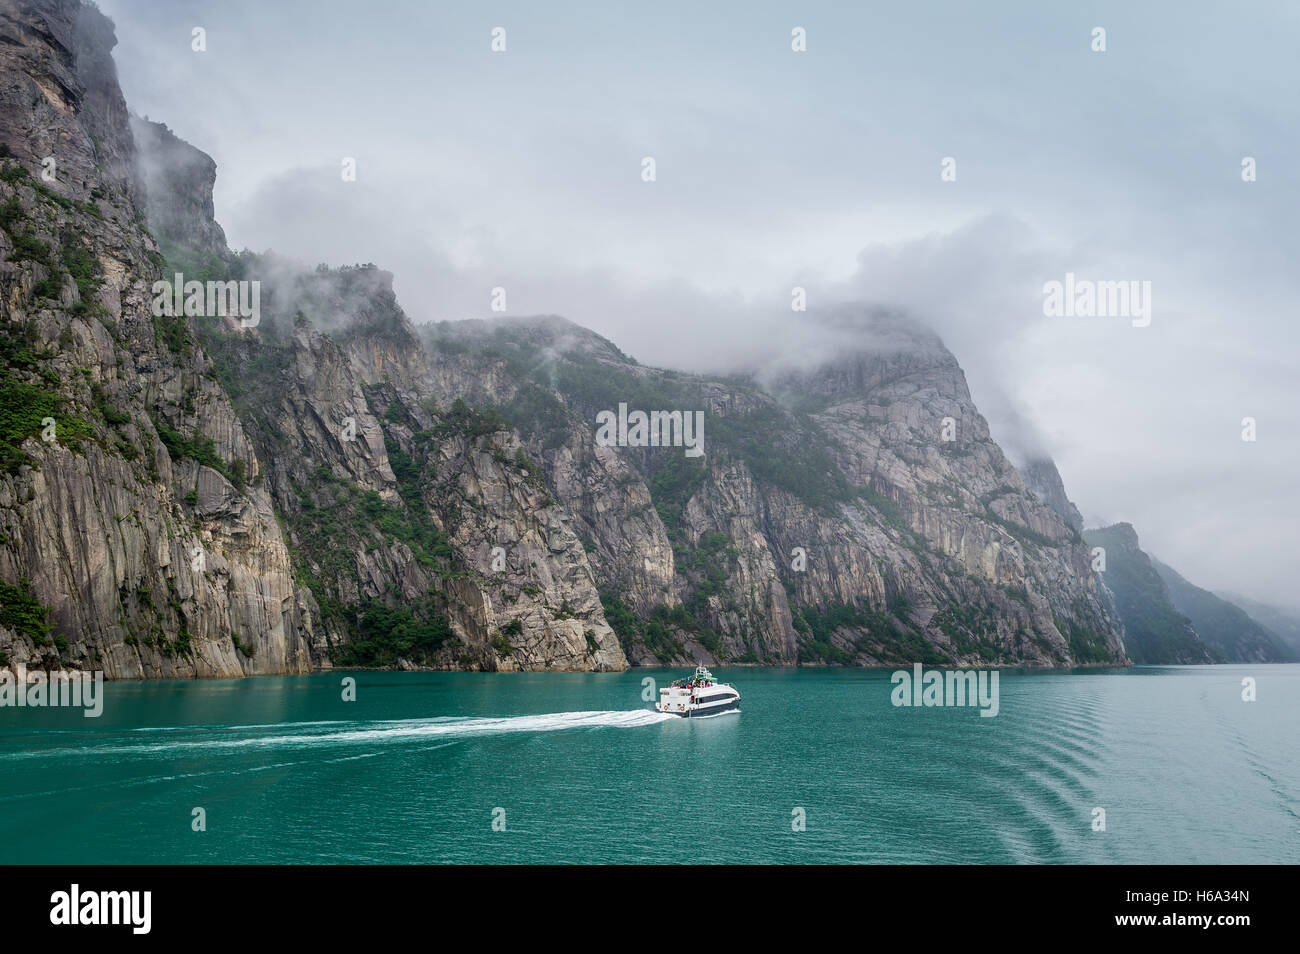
{"x": 818, "y": 169}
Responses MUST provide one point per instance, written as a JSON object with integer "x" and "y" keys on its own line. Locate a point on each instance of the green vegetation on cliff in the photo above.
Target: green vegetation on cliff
{"x": 867, "y": 631}
{"x": 383, "y": 634}
{"x": 24, "y": 614}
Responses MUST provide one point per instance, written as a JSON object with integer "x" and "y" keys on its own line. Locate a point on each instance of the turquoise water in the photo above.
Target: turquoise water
{"x": 582, "y": 771}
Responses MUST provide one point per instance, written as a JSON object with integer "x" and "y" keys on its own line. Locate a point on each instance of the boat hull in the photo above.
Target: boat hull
{"x": 703, "y": 712}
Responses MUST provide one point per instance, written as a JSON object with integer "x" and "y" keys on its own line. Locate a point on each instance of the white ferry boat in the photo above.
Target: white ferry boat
{"x": 698, "y": 695}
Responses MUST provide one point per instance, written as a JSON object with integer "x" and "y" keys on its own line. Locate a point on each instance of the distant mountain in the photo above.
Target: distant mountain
{"x": 1283, "y": 624}
{"x": 1155, "y": 630}
{"x": 1223, "y": 626}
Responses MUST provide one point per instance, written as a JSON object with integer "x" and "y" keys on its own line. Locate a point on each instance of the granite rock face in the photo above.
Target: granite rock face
{"x": 1042, "y": 477}
{"x": 857, "y": 513}
{"x": 178, "y": 181}
{"x": 130, "y": 496}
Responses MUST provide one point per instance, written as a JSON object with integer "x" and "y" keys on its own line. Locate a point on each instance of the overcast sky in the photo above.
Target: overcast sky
{"x": 820, "y": 169}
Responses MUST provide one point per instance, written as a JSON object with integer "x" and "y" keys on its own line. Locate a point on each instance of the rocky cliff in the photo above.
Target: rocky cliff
{"x": 836, "y": 524}
{"x": 331, "y": 485}
{"x": 1042, "y": 477}
{"x": 131, "y": 503}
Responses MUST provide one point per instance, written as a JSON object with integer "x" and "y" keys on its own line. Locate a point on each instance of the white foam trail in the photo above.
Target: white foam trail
{"x": 422, "y": 728}
{"x": 231, "y": 728}
{"x": 373, "y": 732}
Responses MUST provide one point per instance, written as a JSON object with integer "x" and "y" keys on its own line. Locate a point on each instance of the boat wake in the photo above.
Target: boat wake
{"x": 290, "y": 735}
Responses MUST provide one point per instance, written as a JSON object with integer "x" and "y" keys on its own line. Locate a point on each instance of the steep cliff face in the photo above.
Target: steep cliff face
{"x": 865, "y": 517}
{"x": 424, "y": 532}
{"x": 1155, "y": 632}
{"x": 1042, "y": 477}
{"x": 178, "y": 181}
{"x": 332, "y": 486}
{"x": 130, "y": 494}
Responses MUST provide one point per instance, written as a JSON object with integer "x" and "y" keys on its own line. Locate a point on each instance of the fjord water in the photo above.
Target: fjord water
{"x": 581, "y": 770}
